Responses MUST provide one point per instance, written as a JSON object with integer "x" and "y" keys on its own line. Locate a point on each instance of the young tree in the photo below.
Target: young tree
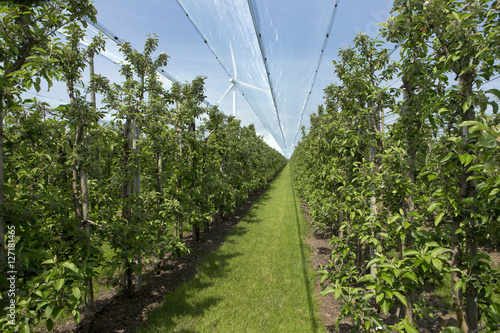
{"x": 131, "y": 102}
{"x": 361, "y": 71}
{"x": 187, "y": 99}
{"x": 81, "y": 116}
{"x": 159, "y": 144}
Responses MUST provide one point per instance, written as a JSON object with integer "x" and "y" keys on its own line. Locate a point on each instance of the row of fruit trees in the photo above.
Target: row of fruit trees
{"x": 72, "y": 185}
{"x": 410, "y": 205}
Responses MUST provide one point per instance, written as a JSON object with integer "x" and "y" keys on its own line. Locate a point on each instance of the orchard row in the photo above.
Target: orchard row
{"x": 411, "y": 204}
{"x": 90, "y": 198}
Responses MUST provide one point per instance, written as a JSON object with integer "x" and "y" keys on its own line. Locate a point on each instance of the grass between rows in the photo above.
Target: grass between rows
{"x": 259, "y": 280}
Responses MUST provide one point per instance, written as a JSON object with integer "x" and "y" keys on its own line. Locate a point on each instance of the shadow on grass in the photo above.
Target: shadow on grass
{"x": 314, "y": 323}
{"x": 164, "y": 319}
{"x": 250, "y": 216}
{"x": 183, "y": 305}
{"x": 240, "y": 230}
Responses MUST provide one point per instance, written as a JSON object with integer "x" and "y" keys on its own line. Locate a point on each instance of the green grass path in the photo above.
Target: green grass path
{"x": 259, "y": 280}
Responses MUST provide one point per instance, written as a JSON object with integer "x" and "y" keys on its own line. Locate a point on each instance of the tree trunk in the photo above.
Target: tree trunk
{"x": 193, "y": 164}
{"x": 89, "y": 312}
{"x": 468, "y": 190}
{"x": 373, "y": 150}
{"x": 220, "y": 211}
{"x": 137, "y": 192}
{"x": 126, "y": 282}
{"x": 471, "y": 290}
{"x": 409, "y": 205}
{"x": 178, "y": 222}
{"x": 159, "y": 183}
{"x": 159, "y": 203}
{"x": 361, "y": 255}
{"x": 2, "y": 193}
{"x": 373, "y": 206}
{"x": 92, "y": 73}
{"x": 457, "y": 294}
{"x": 76, "y": 173}
{"x": 76, "y": 156}
{"x": 81, "y": 207}
{"x": 382, "y": 120}
{"x": 197, "y": 232}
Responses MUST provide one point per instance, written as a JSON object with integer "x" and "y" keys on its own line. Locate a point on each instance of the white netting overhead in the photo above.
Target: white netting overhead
{"x": 293, "y": 46}
{"x": 228, "y": 28}
{"x": 271, "y": 50}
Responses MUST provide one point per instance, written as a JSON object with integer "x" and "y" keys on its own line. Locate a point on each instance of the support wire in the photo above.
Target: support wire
{"x": 325, "y": 42}
{"x": 254, "y": 14}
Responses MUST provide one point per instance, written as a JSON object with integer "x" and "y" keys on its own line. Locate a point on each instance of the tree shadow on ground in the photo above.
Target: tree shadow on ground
{"x": 305, "y": 265}
{"x": 184, "y": 302}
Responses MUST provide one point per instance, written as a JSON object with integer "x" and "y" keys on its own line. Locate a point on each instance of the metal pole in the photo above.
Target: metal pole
{"x": 234, "y": 102}
{"x": 92, "y": 91}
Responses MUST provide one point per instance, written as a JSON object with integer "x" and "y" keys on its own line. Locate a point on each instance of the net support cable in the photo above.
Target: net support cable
{"x": 325, "y": 42}
{"x": 118, "y": 59}
{"x": 253, "y": 12}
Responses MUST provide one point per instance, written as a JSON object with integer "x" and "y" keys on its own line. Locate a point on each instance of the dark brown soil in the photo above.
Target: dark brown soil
{"x": 329, "y": 308}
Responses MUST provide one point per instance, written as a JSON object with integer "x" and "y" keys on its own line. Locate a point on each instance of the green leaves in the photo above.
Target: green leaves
{"x": 401, "y": 298}
{"x": 432, "y": 207}
{"x": 71, "y": 266}
{"x": 59, "y": 284}
{"x": 76, "y": 292}
{"x": 438, "y": 218}
{"x": 366, "y": 278}
{"x": 465, "y": 158}
{"x": 488, "y": 140}
{"x": 48, "y": 311}
{"x": 386, "y": 277}
{"x": 437, "y": 264}
{"x": 495, "y": 92}
{"x": 409, "y": 327}
{"x": 467, "y": 104}
{"x": 49, "y": 324}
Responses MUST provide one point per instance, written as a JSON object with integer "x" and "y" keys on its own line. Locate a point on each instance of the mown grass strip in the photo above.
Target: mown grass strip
{"x": 259, "y": 280}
